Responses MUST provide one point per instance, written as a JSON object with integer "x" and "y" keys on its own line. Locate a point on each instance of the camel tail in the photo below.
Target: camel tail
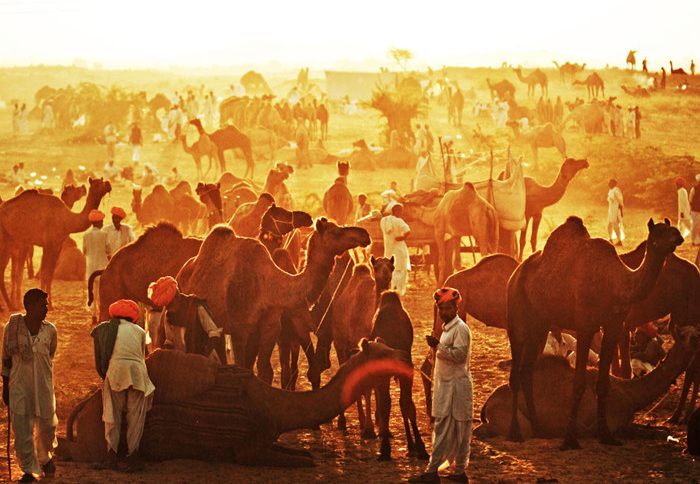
{"x": 71, "y": 418}
{"x": 91, "y": 280}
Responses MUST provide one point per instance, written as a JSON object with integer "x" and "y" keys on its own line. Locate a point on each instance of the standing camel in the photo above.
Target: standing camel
{"x": 539, "y": 197}
{"x": 594, "y": 84}
{"x": 240, "y": 281}
{"x": 204, "y": 146}
{"x": 544, "y": 136}
{"x": 44, "y": 220}
{"x": 631, "y": 60}
{"x": 229, "y": 138}
{"x": 393, "y": 326}
{"x": 568, "y": 69}
{"x": 504, "y": 89}
{"x": 338, "y": 203}
{"x": 532, "y": 80}
{"x": 579, "y": 283}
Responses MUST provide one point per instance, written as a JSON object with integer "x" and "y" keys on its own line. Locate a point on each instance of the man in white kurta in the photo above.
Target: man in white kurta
{"x": 615, "y": 213}
{"x": 118, "y": 234}
{"x": 395, "y": 231}
{"x": 29, "y": 345}
{"x": 127, "y": 383}
{"x": 694, "y": 199}
{"x": 96, "y": 250}
{"x": 453, "y": 400}
{"x": 683, "y": 206}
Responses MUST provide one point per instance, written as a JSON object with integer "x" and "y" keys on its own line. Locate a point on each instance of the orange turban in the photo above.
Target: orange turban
{"x": 163, "y": 291}
{"x": 95, "y": 216}
{"x": 119, "y": 212}
{"x": 446, "y": 294}
{"x": 680, "y": 182}
{"x": 124, "y": 308}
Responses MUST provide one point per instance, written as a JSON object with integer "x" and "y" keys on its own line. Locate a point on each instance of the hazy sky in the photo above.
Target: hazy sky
{"x": 142, "y": 33}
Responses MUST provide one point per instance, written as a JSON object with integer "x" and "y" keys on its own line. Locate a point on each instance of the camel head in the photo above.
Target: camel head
{"x": 98, "y": 187}
{"x": 687, "y": 337}
{"x": 335, "y": 240}
{"x": 196, "y": 123}
{"x": 72, "y": 194}
{"x": 343, "y": 168}
{"x": 279, "y": 221}
{"x": 663, "y": 237}
{"x": 571, "y": 167}
{"x": 210, "y": 195}
{"x": 383, "y": 270}
{"x": 370, "y": 365}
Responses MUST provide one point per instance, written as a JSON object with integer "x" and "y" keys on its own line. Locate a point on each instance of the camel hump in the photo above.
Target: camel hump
{"x": 361, "y": 270}
{"x": 390, "y": 298}
{"x": 178, "y": 376}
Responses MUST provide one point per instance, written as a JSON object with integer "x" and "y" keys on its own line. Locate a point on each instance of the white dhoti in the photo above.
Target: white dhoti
{"x": 34, "y": 449}
{"x": 137, "y": 404}
{"x": 451, "y": 441}
{"x": 393, "y": 227}
{"x": 398, "y": 281}
{"x": 136, "y": 153}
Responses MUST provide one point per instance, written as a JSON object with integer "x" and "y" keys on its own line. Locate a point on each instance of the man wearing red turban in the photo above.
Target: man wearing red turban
{"x": 118, "y": 234}
{"x": 96, "y": 250}
{"x": 122, "y": 343}
{"x": 453, "y": 400}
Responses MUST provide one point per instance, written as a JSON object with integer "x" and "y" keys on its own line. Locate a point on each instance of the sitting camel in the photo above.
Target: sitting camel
{"x": 275, "y": 186}
{"x": 392, "y": 325}
{"x": 551, "y": 387}
{"x": 553, "y": 288}
{"x": 204, "y": 146}
{"x": 591, "y": 117}
{"x": 210, "y": 195}
{"x": 539, "y": 197}
{"x": 544, "y": 136}
{"x": 338, "y": 203}
{"x": 229, "y": 138}
{"x": 459, "y": 213}
{"x": 246, "y": 220}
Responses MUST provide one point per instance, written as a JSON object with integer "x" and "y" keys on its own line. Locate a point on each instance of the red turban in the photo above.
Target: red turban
{"x": 119, "y": 212}
{"x": 124, "y": 308}
{"x": 162, "y": 291}
{"x": 446, "y": 294}
{"x": 648, "y": 329}
{"x": 680, "y": 182}
{"x": 95, "y": 216}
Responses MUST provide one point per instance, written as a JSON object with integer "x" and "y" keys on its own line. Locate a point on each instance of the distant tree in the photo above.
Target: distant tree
{"x": 400, "y": 56}
{"x": 399, "y": 107}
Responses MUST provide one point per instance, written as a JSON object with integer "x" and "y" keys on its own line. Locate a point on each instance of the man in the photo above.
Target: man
{"x": 646, "y": 350}
{"x": 694, "y": 199}
{"x": 421, "y": 140}
{"x": 429, "y": 139}
{"x": 28, "y": 347}
{"x": 615, "y": 213}
{"x": 363, "y": 208}
{"x": 453, "y": 401}
{"x": 112, "y": 171}
{"x": 110, "y": 139}
{"x": 120, "y": 358}
{"x": 683, "y": 206}
{"x": 96, "y": 250}
{"x": 136, "y": 140}
{"x": 118, "y": 234}
{"x": 395, "y": 231}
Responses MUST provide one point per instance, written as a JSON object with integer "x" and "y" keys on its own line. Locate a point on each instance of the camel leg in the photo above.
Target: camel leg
{"x": 523, "y": 239}
{"x": 342, "y": 358}
{"x": 514, "y": 381}
{"x": 4, "y": 259}
{"x": 30, "y": 263}
{"x": 693, "y": 397}
{"x": 285, "y": 348}
{"x": 582, "y": 347}
{"x": 693, "y": 375}
{"x": 624, "y": 347}
{"x": 365, "y": 417}
{"x": 415, "y": 445}
{"x": 426, "y": 370}
{"x": 272, "y": 456}
{"x": 687, "y": 379}
{"x": 383, "y": 413}
{"x": 222, "y": 161}
{"x": 536, "y": 219}
{"x": 610, "y": 338}
{"x": 532, "y": 350}
{"x": 269, "y": 335}
{"x": 49, "y": 259}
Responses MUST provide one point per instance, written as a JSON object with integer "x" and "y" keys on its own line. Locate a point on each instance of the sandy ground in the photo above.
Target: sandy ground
{"x": 345, "y": 457}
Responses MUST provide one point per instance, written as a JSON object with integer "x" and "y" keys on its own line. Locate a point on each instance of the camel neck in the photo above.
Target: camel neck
{"x": 644, "y": 391}
{"x": 555, "y": 191}
{"x": 78, "y": 222}
{"x": 644, "y": 278}
{"x": 305, "y": 288}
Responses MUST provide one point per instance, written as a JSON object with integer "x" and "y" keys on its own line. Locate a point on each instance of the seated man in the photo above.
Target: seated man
{"x": 647, "y": 349}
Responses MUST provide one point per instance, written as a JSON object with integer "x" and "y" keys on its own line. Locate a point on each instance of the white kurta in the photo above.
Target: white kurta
{"x": 393, "y": 227}
{"x": 683, "y": 209}
{"x": 615, "y": 203}
{"x": 453, "y": 394}
{"x": 96, "y": 250}
{"x": 116, "y": 239}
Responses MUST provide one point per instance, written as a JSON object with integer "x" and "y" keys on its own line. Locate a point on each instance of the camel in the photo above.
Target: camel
{"x": 532, "y": 80}
{"x": 594, "y": 84}
{"x": 638, "y": 91}
{"x": 569, "y": 69}
{"x": 587, "y": 288}
{"x": 204, "y": 146}
{"x": 225, "y": 413}
{"x": 553, "y": 378}
{"x": 210, "y": 195}
{"x": 187, "y": 210}
{"x": 392, "y": 325}
{"x": 483, "y": 290}
{"x": 51, "y": 222}
{"x": 338, "y": 202}
{"x": 157, "y": 206}
{"x": 544, "y": 136}
{"x": 71, "y": 193}
{"x": 632, "y": 60}
{"x": 591, "y": 117}
{"x": 240, "y": 281}
{"x": 275, "y": 186}
{"x": 459, "y": 213}
{"x": 677, "y": 71}
{"x": 160, "y": 251}
{"x": 539, "y": 197}
{"x": 246, "y": 220}
{"x": 71, "y": 263}
{"x": 322, "y": 116}
{"x": 362, "y": 158}
{"x": 264, "y": 141}
{"x": 504, "y": 89}
{"x": 229, "y": 138}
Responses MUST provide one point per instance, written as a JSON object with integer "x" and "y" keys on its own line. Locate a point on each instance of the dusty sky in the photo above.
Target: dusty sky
{"x": 142, "y": 33}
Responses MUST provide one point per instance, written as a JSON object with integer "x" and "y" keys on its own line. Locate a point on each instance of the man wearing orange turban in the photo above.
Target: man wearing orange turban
{"x": 187, "y": 320}
{"x": 453, "y": 400}
{"x": 126, "y": 381}
{"x": 96, "y": 251}
{"x": 118, "y": 234}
